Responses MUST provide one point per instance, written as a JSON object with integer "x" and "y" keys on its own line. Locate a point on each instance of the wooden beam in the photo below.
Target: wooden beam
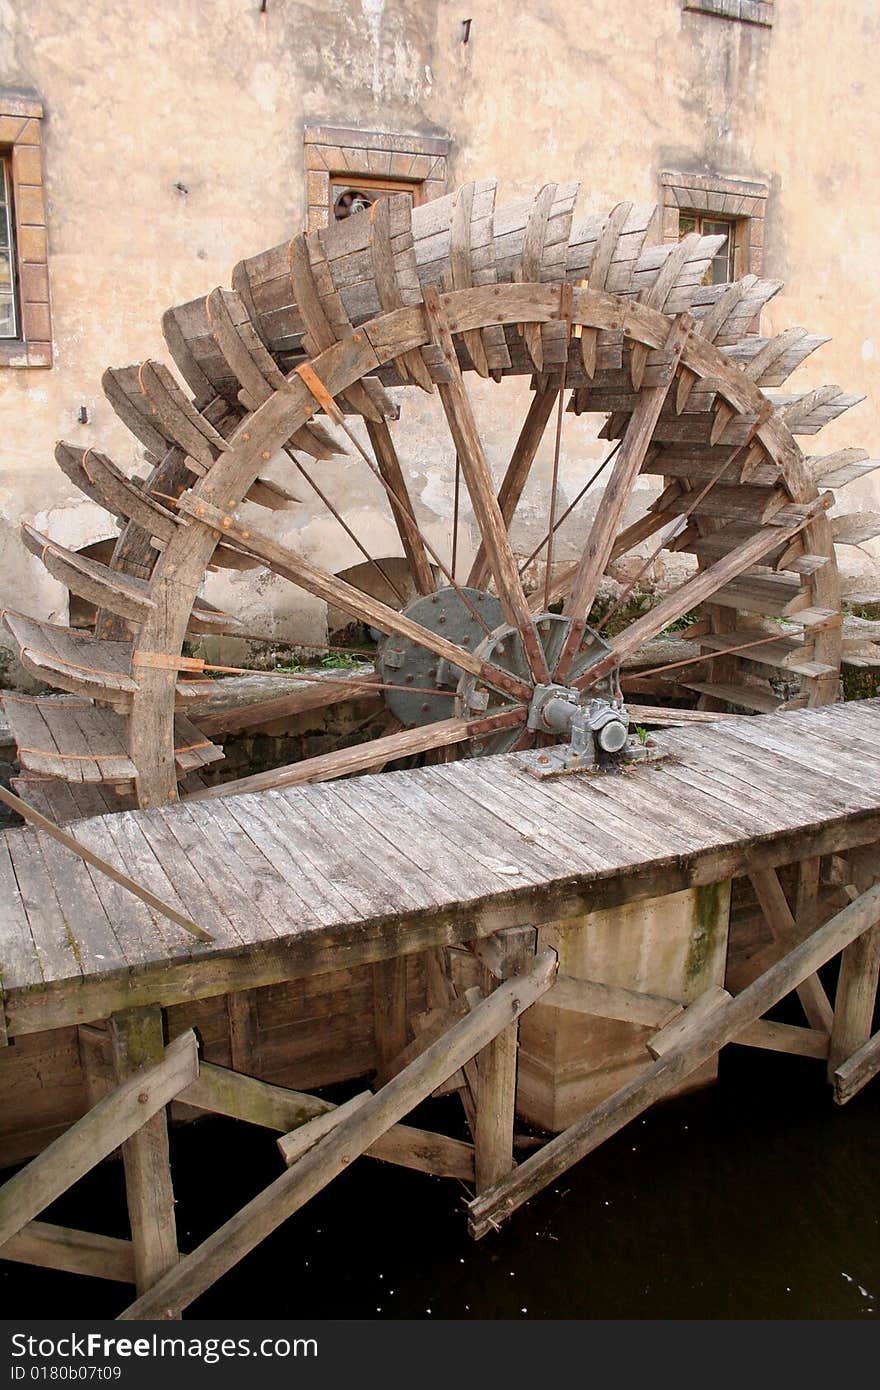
{"x": 611, "y": 1001}
{"x": 74, "y": 1252}
{"x": 222, "y": 1092}
{"x": 720, "y": 1026}
{"x": 496, "y": 1069}
{"x": 244, "y": 1031}
{"x": 287, "y": 1194}
{"x": 281, "y": 560}
{"x": 469, "y": 447}
{"x": 113, "y": 1120}
{"x": 315, "y": 695}
{"x": 784, "y": 929}
{"x": 615, "y": 498}
{"x": 342, "y": 762}
{"x": 518, "y": 469}
{"x": 701, "y": 588}
{"x": 679, "y": 1031}
{"x": 854, "y": 999}
{"x": 138, "y": 1045}
{"x": 857, "y": 1071}
{"x": 389, "y": 1009}
{"x": 404, "y": 1145}
{"x": 410, "y": 537}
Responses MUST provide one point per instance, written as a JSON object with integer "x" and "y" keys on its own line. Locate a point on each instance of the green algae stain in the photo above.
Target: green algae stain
{"x": 708, "y": 917}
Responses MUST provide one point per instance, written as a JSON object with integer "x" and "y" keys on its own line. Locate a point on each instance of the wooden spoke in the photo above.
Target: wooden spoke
{"x": 411, "y": 538}
{"x": 345, "y": 596}
{"x": 699, "y": 589}
{"x": 365, "y": 756}
{"x": 618, "y": 489}
{"x": 518, "y": 469}
{"x": 462, "y": 425}
{"x": 347, "y": 529}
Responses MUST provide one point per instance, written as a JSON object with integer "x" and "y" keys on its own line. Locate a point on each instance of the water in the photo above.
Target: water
{"x": 757, "y": 1198}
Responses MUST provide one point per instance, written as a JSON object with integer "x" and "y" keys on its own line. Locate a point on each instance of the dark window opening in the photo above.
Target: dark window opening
{"x": 347, "y": 198}
{"x": 723, "y": 266}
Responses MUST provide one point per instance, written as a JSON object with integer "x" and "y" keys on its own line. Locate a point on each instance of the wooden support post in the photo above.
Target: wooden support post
{"x": 857, "y": 1071}
{"x": 389, "y": 1009}
{"x": 496, "y": 1074}
{"x": 333, "y": 1154}
{"x": 784, "y": 929}
{"x": 138, "y": 1043}
{"x": 719, "y": 1026}
{"x": 113, "y": 1120}
{"x": 244, "y": 1031}
{"x": 855, "y": 999}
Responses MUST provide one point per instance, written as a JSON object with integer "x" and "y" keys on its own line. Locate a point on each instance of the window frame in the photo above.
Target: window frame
{"x": 21, "y": 115}
{"x": 741, "y": 201}
{"x": 419, "y": 162}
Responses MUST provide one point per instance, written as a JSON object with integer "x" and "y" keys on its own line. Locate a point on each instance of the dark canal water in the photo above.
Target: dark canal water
{"x": 754, "y": 1199}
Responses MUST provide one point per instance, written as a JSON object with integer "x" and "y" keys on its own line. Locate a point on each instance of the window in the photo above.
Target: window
{"x": 717, "y": 205}
{"x": 8, "y": 307}
{"x": 722, "y": 267}
{"x": 347, "y": 169}
{"x": 25, "y": 323}
{"x": 348, "y": 197}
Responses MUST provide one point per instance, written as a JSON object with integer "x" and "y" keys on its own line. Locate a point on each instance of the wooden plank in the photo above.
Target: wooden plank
{"x": 244, "y": 1032}
{"x": 199, "y": 1270}
{"x": 679, "y": 1030}
{"x": 138, "y": 1047}
{"x": 720, "y": 1026}
{"x": 78, "y": 848}
{"x": 708, "y": 584}
{"x": 784, "y": 1037}
{"x": 851, "y": 1075}
{"x": 113, "y": 1120}
{"x": 73, "y": 1252}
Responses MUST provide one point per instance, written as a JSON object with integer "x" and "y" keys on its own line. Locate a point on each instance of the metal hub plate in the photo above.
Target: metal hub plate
{"x": 403, "y": 663}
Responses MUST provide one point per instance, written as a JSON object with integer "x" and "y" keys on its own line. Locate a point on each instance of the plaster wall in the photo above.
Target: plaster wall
{"x": 173, "y": 147}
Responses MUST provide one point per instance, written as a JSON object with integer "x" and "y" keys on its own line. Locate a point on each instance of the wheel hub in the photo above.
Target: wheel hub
{"x": 592, "y": 725}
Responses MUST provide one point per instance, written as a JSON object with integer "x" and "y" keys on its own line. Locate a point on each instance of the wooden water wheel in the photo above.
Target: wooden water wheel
{"x": 603, "y": 322}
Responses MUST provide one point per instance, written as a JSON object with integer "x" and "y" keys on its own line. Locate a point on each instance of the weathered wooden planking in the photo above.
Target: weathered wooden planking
{"x": 312, "y": 878}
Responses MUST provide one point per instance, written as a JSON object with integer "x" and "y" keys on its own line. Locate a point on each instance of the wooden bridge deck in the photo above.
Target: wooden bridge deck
{"x": 314, "y": 878}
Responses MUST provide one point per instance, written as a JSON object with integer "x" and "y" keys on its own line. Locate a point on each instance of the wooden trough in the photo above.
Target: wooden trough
{"x": 566, "y": 951}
